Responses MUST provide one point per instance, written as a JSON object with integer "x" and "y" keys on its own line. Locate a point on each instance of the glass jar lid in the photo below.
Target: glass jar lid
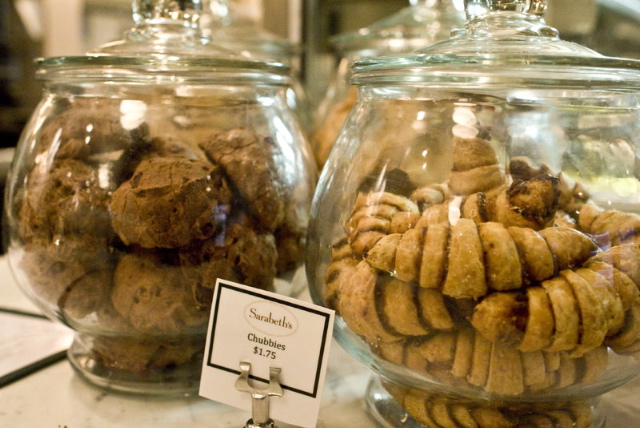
{"x": 224, "y": 22}
{"x": 504, "y": 43}
{"x": 415, "y": 26}
{"x": 166, "y": 40}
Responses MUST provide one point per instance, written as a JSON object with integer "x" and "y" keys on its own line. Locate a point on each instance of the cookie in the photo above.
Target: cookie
{"x": 358, "y": 305}
{"x": 566, "y": 314}
{"x": 465, "y": 276}
{"x": 533, "y": 368}
{"x": 433, "y": 310}
{"x": 337, "y": 272}
{"x": 427, "y": 196}
{"x": 398, "y": 309}
{"x": 501, "y": 317}
{"x": 250, "y": 162}
{"x": 409, "y": 255}
{"x": 592, "y": 319}
{"x": 150, "y": 291}
{"x": 479, "y": 179}
{"x": 480, "y": 362}
{"x": 623, "y": 285}
{"x": 630, "y": 332}
{"x": 533, "y": 251}
{"x": 502, "y": 264}
{"x": 434, "y": 256}
{"x": 593, "y": 364}
{"x": 403, "y": 221}
{"x": 463, "y": 357}
{"x": 66, "y": 201}
{"x": 540, "y": 323}
{"x": 570, "y": 247}
{"x": 623, "y": 257}
{"x": 567, "y": 373}
{"x": 237, "y": 253}
{"x": 170, "y": 202}
{"x": 382, "y": 255}
{"x": 76, "y": 287}
{"x": 439, "y": 350}
{"x": 505, "y": 371}
{"x": 368, "y": 232}
{"x": 608, "y": 296}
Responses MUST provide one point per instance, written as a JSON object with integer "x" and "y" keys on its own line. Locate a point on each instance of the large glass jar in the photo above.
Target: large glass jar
{"x": 476, "y": 227}
{"x": 153, "y": 166}
{"x": 421, "y": 23}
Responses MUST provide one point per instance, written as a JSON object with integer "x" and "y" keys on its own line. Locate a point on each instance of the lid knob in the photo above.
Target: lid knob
{"x": 165, "y": 27}
{"x": 476, "y": 8}
{"x": 185, "y": 12}
{"x": 427, "y": 3}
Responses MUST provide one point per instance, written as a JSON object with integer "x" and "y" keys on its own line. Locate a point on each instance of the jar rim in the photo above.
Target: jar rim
{"x": 441, "y": 67}
{"x": 184, "y": 68}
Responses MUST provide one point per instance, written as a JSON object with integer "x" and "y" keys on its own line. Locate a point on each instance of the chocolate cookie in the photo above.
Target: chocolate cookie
{"x": 170, "y": 202}
{"x": 151, "y": 292}
{"x": 250, "y": 163}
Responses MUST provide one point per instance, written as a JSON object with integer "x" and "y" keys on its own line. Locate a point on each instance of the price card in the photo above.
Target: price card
{"x": 267, "y": 330}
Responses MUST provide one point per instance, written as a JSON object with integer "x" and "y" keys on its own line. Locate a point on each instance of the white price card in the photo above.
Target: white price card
{"x": 267, "y": 330}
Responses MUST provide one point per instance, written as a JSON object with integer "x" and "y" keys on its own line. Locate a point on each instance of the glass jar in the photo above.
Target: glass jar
{"x": 420, "y": 24}
{"x": 153, "y": 166}
{"x": 476, "y": 227}
{"x": 238, "y": 31}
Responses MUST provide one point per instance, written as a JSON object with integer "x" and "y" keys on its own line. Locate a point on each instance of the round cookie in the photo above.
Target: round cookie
{"x": 237, "y": 253}
{"x": 74, "y": 288}
{"x": 66, "y": 199}
{"x": 151, "y": 292}
{"x": 88, "y": 126}
{"x": 251, "y": 164}
{"x": 170, "y": 202}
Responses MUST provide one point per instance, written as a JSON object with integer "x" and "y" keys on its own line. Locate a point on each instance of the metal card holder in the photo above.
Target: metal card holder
{"x": 259, "y": 396}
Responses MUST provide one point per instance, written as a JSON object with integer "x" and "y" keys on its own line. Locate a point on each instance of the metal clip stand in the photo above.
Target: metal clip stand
{"x": 259, "y": 397}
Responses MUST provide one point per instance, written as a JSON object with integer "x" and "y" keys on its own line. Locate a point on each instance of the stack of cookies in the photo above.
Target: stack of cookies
{"x": 506, "y": 280}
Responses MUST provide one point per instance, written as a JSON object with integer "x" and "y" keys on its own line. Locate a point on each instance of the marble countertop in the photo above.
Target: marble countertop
{"x": 55, "y": 397}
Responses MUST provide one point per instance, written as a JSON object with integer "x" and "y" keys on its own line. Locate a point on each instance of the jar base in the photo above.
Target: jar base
{"x": 388, "y": 413}
{"x": 149, "y": 370}
{"x": 384, "y": 410}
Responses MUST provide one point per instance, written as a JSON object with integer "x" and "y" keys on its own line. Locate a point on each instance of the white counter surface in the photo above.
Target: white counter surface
{"x": 55, "y": 397}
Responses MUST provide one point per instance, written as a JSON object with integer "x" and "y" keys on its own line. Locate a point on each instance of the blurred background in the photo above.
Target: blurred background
{"x": 35, "y": 28}
{"x": 42, "y": 28}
